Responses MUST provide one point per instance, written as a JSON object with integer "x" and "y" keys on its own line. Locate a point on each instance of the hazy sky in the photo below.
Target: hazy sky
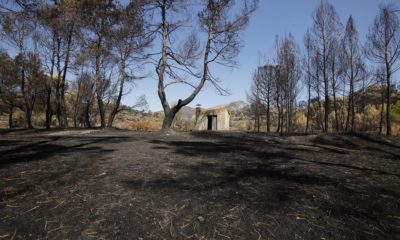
{"x": 273, "y": 17}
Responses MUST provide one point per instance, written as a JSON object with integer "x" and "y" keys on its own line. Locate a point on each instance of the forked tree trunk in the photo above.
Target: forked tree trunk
{"x": 168, "y": 120}
{"x": 169, "y": 113}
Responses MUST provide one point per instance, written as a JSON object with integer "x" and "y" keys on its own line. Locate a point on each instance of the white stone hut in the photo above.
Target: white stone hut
{"x": 214, "y": 119}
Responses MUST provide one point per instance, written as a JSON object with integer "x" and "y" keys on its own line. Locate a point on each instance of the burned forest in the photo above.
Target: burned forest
{"x": 199, "y": 119}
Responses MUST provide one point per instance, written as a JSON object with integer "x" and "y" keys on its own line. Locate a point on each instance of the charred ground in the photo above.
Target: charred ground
{"x": 131, "y": 185}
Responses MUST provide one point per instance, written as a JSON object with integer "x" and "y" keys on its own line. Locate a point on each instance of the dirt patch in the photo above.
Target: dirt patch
{"x": 127, "y": 185}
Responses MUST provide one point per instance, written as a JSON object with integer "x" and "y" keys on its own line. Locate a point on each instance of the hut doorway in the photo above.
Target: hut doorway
{"x": 212, "y": 122}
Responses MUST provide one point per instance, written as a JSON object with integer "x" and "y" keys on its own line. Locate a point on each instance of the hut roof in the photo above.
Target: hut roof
{"x": 216, "y": 109}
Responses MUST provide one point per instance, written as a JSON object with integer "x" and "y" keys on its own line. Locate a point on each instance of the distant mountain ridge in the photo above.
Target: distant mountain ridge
{"x": 237, "y": 106}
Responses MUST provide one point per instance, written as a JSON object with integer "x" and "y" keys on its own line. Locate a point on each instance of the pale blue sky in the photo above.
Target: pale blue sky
{"x": 273, "y": 17}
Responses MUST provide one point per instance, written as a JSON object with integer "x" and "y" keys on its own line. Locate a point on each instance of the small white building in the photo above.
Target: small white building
{"x": 214, "y": 119}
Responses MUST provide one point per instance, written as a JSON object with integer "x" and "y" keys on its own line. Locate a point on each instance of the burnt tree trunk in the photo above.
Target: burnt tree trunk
{"x": 326, "y": 103}
{"x": 99, "y": 91}
{"x": 308, "y": 107}
{"x": 48, "y": 108}
{"x": 335, "y": 107}
{"x": 10, "y": 118}
{"x": 120, "y": 93}
{"x": 268, "y": 109}
{"x": 388, "y": 118}
{"x": 27, "y": 106}
{"x": 58, "y": 85}
{"x": 348, "y": 112}
{"x": 48, "y": 87}
{"x": 382, "y": 109}
{"x": 353, "y": 113}
{"x": 87, "y": 115}
{"x": 279, "y": 111}
{"x": 63, "y": 107}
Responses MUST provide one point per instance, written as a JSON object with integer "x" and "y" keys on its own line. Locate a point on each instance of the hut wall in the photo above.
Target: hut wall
{"x": 222, "y": 119}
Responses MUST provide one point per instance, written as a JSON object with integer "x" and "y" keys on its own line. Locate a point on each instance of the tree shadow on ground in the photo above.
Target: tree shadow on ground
{"x": 360, "y": 142}
{"x": 379, "y": 139}
{"x": 277, "y": 178}
{"x": 52, "y": 161}
{"x": 48, "y": 147}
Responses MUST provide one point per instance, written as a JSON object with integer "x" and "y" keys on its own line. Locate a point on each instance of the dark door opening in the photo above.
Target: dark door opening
{"x": 212, "y": 122}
